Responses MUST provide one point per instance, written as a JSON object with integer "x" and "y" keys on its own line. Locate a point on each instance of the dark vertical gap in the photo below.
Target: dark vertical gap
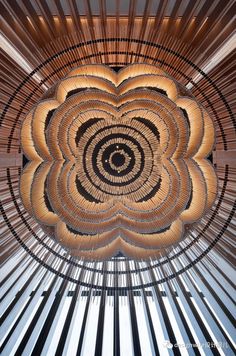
{"x": 78, "y": 353}
{"x": 100, "y": 327}
{"x": 24, "y": 160}
{"x": 81, "y": 338}
{"x": 116, "y": 335}
{"x": 134, "y": 324}
{"x": 150, "y": 323}
{"x": 210, "y": 158}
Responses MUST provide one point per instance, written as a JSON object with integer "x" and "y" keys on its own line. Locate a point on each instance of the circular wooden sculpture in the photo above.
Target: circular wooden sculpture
{"x": 118, "y": 162}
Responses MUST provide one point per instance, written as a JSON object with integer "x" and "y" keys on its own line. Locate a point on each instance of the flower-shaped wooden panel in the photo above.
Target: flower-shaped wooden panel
{"x": 118, "y": 162}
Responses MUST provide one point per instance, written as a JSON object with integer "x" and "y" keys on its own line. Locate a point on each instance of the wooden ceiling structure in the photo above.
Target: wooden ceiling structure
{"x": 40, "y": 30}
{"x": 193, "y": 41}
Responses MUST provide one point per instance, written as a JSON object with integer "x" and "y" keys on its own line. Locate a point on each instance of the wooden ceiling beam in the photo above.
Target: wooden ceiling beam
{"x": 187, "y": 17}
{"x": 158, "y": 19}
{"x": 89, "y": 17}
{"x": 34, "y": 20}
{"x": 47, "y": 17}
{"x": 62, "y": 16}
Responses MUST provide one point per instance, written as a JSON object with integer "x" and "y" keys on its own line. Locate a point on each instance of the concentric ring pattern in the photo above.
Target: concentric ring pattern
{"x": 118, "y": 162}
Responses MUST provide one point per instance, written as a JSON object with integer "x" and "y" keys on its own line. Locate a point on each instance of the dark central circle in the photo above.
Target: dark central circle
{"x": 111, "y": 149}
{"x": 118, "y": 159}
